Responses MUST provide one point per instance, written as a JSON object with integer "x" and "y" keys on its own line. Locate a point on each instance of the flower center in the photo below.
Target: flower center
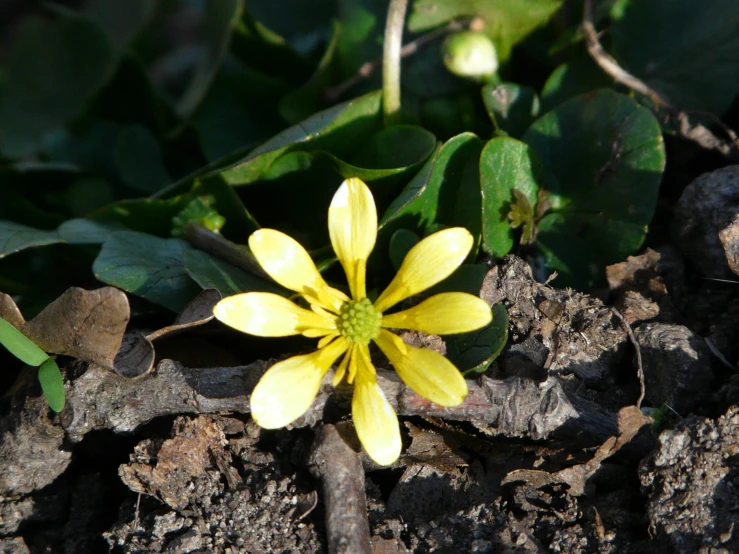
{"x": 359, "y": 321}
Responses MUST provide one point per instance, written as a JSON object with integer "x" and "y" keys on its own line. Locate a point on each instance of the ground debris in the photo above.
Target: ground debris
{"x": 692, "y": 481}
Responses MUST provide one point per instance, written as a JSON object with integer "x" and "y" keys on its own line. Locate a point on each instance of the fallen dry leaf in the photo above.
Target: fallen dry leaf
{"x": 198, "y": 311}
{"x": 85, "y": 324}
{"x": 630, "y": 420}
{"x": 135, "y": 357}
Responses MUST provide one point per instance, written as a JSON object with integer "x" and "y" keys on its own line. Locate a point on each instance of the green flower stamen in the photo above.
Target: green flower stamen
{"x": 359, "y": 321}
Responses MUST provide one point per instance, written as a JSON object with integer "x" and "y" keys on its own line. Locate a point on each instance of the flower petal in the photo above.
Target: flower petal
{"x": 427, "y": 372}
{"x": 289, "y": 387}
{"x": 429, "y": 262}
{"x": 374, "y": 418}
{"x": 443, "y": 314}
{"x": 269, "y": 315}
{"x": 288, "y": 263}
{"x": 352, "y": 225}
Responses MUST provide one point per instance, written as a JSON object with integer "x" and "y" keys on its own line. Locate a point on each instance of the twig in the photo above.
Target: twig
{"x": 367, "y": 69}
{"x": 391, "y": 61}
{"x": 697, "y": 133}
{"x": 716, "y": 352}
{"x": 514, "y": 407}
{"x": 639, "y": 366}
{"x": 340, "y": 469}
{"x": 610, "y": 65}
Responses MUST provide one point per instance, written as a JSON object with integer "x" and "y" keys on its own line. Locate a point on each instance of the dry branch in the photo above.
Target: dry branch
{"x": 342, "y": 476}
{"x": 515, "y": 407}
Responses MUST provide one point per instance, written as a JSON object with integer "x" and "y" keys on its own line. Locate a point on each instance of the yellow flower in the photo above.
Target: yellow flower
{"x": 346, "y": 325}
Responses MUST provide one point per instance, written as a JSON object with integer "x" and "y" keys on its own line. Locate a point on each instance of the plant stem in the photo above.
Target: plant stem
{"x": 391, "y": 61}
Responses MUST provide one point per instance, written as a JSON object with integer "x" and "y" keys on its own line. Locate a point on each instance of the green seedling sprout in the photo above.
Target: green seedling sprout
{"x": 201, "y": 212}
{"x": 23, "y": 348}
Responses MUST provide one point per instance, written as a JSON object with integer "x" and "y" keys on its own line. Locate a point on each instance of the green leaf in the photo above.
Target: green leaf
{"x": 400, "y": 243}
{"x": 15, "y": 237}
{"x": 87, "y": 195}
{"x": 300, "y": 23}
{"x": 337, "y": 130}
{"x": 361, "y": 31}
{"x": 138, "y": 156}
{"x": 55, "y": 67}
{"x": 604, "y": 200}
{"x": 304, "y": 101}
{"x": 571, "y": 79}
{"x": 685, "y": 50}
{"x": 506, "y": 164}
{"x": 211, "y": 273}
{"x": 466, "y": 278}
{"x": 512, "y": 107}
{"x": 52, "y": 384}
{"x": 120, "y": 20}
{"x": 445, "y": 191}
{"x": 473, "y": 352}
{"x": 579, "y": 246}
{"x": 20, "y": 346}
{"x": 219, "y": 16}
{"x": 154, "y": 216}
{"x": 147, "y": 266}
{"x": 87, "y": 231}
{"x": 238, "y": 112}
{"x": 508, "y": 22}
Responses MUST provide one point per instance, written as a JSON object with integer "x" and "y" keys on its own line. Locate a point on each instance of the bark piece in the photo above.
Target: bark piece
{"x": 31, "y": 448}
{"x": 514, "y": 407}
{"x": 677, "y": 366}
{"x": 630, "y": 421}
{"x": 708, "y": 204}
{"x": 180, "y": 461}
{"x": 342, "y": 476}
{"x": 690, "y": 480}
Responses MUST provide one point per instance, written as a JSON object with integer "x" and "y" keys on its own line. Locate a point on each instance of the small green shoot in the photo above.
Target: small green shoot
{"x": 26, "y": 351}
{"x": 200, "y": 211}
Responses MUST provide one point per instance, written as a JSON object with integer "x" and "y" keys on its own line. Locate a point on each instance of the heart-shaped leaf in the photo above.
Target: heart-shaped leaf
{"x": 507, "y": 21}
{"x": 685, "y": 50}
{"x": 54, "y": 68}
{"x": 602, "y": 202}
{"x": 445, "y": 191}
{"x": 214, "y": 32}
{"x": 506, "y": 164}
{"x": 473, "y": 353}
{"x": 511, "y": 107}
{"x": 138, "y": 157}
{"x": 211, "y": 273}
{"x": 337, "y": 130}
{"x": 147, "y": 266}
{"x": 15, "y": 237}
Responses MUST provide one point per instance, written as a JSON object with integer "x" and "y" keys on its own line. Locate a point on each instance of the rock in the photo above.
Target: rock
{"x": 729, "y": 237}
{"x": 677, "y": 365}
{"x": 707, "y": 205}
{"x": 691, "y": 480}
